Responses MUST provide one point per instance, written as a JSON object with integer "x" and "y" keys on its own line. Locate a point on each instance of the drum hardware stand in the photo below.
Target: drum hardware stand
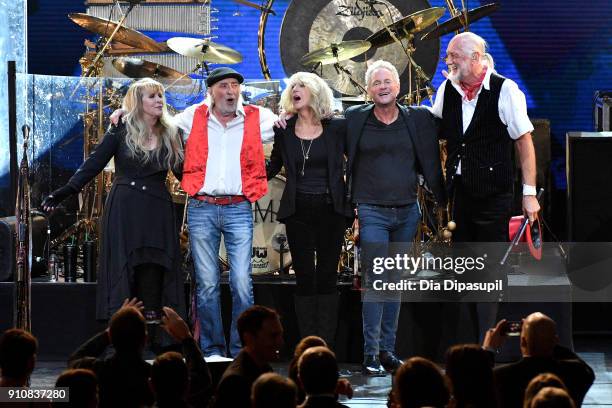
{"x": 408, "y": 49}
{"x": 91, "y": 69}
{"x": 317, "y": 66}
{"x": 281, "y": 241}
{"x": 22, "y": 317}
{"x": 261, "y": 30}
{"x": 340, "y": 69}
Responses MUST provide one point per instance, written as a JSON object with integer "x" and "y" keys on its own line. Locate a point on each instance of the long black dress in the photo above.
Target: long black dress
{"x": 139, "y": 224}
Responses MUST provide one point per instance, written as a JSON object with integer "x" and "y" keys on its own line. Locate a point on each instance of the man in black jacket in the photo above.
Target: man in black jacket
{"x": 387, "y": 146}
{"x": 541, "y": 354}
{"x": 123, "y": 377}
{"x": 318, "y": 374}
{"x": 261, "y": 334}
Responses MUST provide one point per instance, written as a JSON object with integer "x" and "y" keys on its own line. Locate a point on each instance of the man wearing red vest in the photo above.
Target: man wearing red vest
{"x": 224, "y": 172}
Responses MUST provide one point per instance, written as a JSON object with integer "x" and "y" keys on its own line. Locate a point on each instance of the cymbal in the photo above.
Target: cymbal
{"x": 458, "y": 21}
{"x": 204, "y": 50}
{"x": 413, "y": 23}
{"x": 125, "y": 35}
{"x": 138, "y": 68}
{"x": 336, "y": 52}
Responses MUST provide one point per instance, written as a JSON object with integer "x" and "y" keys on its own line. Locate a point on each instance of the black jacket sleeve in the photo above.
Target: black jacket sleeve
{"x": 98, "y": 159}
{"x": 233, "y": 391}
{"x": 93, "y": 347}
{"x": 200, "y": 386}
{"x": 276, "y": 159}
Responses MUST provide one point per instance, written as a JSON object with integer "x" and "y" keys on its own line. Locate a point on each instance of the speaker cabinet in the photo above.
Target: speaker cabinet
{"x": 589, "y": 213}
{"x": 589, "y": 186}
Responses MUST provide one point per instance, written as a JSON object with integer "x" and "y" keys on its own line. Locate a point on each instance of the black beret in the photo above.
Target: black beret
{"x": 221, "y": 73}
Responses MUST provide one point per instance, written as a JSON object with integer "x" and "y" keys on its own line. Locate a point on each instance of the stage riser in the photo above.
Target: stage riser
{"x": 63, "y": 317}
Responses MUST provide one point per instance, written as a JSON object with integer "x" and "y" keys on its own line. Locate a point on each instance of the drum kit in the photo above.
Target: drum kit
{"x": 335, "y": 40}
{"x": 411, "y": 35}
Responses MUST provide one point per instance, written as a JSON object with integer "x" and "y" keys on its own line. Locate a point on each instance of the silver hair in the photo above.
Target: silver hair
{"x": 470, "y": 43}
{"x": 487, "y": 59}
{"x": 381, "y": 64}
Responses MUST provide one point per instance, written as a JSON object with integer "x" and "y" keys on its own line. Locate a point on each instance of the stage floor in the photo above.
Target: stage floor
{"x": 372, "y": 392}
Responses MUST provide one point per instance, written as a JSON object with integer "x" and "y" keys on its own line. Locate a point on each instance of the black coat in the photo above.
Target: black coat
{"x": 287, "y": 152}
{"x": 138, "y": 226}
{"x": 322, "y": 402}
{"x": 234, "y": 389}
{"x": 511, "y": 380}
{"x": 123, "y": 379}
{"x": 422, "y": 132}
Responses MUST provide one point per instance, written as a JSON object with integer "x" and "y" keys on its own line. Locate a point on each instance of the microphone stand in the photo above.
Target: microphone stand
{"x": 22, "y": 317}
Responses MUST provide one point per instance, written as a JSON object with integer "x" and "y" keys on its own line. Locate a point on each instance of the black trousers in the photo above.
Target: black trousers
{"x": 315, "y": 234}
{"x": 480, "y": 219}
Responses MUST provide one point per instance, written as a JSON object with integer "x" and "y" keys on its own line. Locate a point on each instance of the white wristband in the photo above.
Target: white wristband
{"x": 529, "y": 190}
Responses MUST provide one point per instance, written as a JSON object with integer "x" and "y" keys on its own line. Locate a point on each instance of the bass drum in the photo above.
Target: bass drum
{"x": 269, "y": 235}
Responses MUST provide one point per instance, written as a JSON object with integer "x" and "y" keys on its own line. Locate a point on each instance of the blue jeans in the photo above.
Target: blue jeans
{"x": 378, "y": 226}
{"x": 206, "y": 224}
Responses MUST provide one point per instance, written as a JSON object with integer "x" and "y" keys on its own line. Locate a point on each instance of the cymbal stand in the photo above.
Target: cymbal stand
{"x": 93, "y": 67}
{"x": 340, "y": 69}
{"x": 408, "y": 50}
{"x": 466, "y": 23}
{"x": 108, "y": 41}
{"x": 198, "y": 66}
{"x": 454, "y": 12}
{"x": 420, "y": 77}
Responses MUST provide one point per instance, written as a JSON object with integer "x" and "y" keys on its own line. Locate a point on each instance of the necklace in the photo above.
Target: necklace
{"x": 305, "y": 154}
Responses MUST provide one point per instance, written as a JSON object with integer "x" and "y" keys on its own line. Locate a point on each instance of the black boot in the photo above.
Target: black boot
{"x": 306, "y": 313}
{"x": 327, "y": 316}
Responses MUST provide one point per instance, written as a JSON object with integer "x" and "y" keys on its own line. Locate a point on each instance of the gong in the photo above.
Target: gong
{"x": 315, "y": 24}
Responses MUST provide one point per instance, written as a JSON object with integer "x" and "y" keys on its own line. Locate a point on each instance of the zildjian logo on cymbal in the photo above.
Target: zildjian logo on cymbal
{"x": 357, "y": 10}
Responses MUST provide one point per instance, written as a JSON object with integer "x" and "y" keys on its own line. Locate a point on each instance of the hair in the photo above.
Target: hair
{"x": 251, "y": 320}
{"x": 17, "y": 348}
{"x": 541, "y": 381}
{"x": 169, "y": 377}
{"x": 304, "y": 344}
{"x": 381, "y": 64}
{"x": 82, "y": 387}
{"x": 128, "y": 330}
{"x": 419, "y": 382}
{"x": 137, "y": 129}
{"x": 318, "y": 370}
{"x": 551, "y": 397}
{"x": 469, "y": 43}
{"x": 487, "y": 59}
{"x": 321, "y": 95}
{"x": 470, "y": 370}
{"x": 272, "y": 390}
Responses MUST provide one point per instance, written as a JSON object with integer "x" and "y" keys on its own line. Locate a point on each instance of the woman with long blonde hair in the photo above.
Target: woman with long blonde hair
{"x": 312, "y": 205}
{"x": 140, "y": 254}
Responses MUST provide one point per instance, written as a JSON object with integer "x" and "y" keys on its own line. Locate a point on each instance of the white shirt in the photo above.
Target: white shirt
{"x": 223, "y": 173}
{"x": 512, "y": 107}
